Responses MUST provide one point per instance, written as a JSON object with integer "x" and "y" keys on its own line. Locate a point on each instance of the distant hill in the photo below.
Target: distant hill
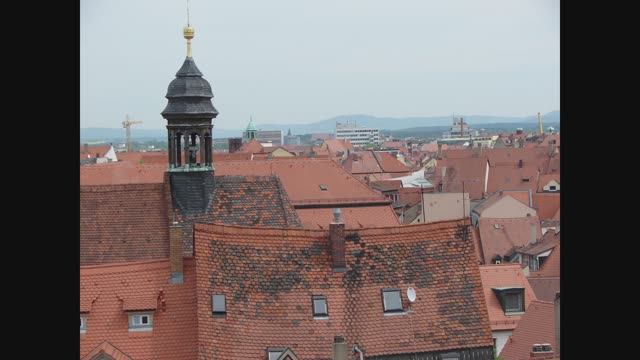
{"x": 389, "y": 123}
{"x": 328, "y": 126}
{"x": 117, "y": 134}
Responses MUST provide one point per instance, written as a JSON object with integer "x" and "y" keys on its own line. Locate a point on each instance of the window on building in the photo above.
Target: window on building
{"x": 320, "y": 306}
{"x": 274, "y": 353}
{"x": 552, "y": 188}
{"x": 541, "y": 348}
{"x": 218, "y": 304}
{"x": 323, "y": 187}
{"x": 391, "y": 300}
{"x": 513, "y": 302}
{"x": 450, "y": 356}
{"x": 83, "y": 324}
{"x": 511, "y": 299}
{"x": 140, "y": 322}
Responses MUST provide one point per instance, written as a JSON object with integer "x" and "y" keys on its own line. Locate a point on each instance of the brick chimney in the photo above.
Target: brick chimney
{"x": 439, "y": 153}
{"x": 86, "y": 148}
{"x": 340, "y": 349}
{"x": 336, "y": 241}
{"x": 556, "y": 313}
{"x": 175, "y": 252}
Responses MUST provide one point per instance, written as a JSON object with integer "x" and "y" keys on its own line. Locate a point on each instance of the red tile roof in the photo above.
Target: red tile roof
{"x": 393, "y": 144}
{"x": 409, "y": 196}
{"x": 302, "y": 177}
{"x": 509, "y": 234}
{"x": 386, "y": 185}
{"x": 546, "y": 178}
{"x": 547, "y": 204}
{"x": 551, "y": 266}
{"x": 91, "y": 151}
{"x": 122, "y": 172}
{"x": 512, "y": 178}
{"x": 471, "y": 170}
{"x": 174, "y": 333}
{"x": 521, "y": 196}
{"x": 433, "y": 147}
{"x": 269, "y": 276}
{"x": 537, "y": 326}
{"x": 123, "y": 223}
{"x": 371, "y": 162}
{"x": 252, "y": 146}
{"x": 546, "y": 281}
{"x": 337, "y": 146}
{"x": 504, "y": 275}
{"x": 232, "y": 156}
{"x": 354, "y": 217}
{"x": 130, "y": 222}
{"x": 151, "y": 157}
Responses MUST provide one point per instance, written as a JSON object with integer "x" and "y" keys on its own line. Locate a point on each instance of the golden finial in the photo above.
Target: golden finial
{"x": 188, "y": 32}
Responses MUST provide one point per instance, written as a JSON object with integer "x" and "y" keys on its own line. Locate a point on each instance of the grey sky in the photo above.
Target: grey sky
{"x": 301, "y": 61}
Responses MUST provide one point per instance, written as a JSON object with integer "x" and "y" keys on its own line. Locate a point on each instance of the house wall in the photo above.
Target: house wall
{"x": 445, "y": 206}
{"x": 508, "y": 208}
{"x": 281, "y": 153}
{"x": 111, "y": 155}
{"x": 501, "y": 339}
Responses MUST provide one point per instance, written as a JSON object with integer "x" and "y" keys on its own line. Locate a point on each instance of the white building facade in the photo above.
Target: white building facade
{"x": 359, "y": 136}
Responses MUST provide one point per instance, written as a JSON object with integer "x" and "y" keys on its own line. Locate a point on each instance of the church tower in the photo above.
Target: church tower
{"x": 189, "y": 115}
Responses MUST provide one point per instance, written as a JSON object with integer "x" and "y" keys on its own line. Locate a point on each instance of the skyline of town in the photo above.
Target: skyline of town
{"x": 399, "y": 60}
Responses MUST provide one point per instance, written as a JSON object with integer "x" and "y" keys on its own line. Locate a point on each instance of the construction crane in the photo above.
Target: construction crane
{"x": 127, "y": 125}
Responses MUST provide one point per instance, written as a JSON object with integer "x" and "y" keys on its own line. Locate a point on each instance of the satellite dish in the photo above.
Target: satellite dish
{"x": 411, "y": 294}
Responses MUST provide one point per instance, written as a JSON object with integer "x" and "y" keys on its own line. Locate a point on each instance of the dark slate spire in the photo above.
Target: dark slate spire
{"x": 189, "y": 95}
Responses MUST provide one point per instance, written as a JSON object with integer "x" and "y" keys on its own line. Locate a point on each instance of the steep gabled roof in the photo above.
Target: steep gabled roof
{"x": 372, "y": 162}
{"x": 336, "y": 146}
{"x": 354, "y": 217}
{"x": 502, "y": 236}
{"x": 302, "y": 179}
{"x": 174, "y": 333}
{"x": 252, "y": 201}
{"x": 503, "y": 275}
{"x": 547, "y": 204}
{"x": 252, "y": 146}
{"x": 269, "y": 276}
{"x": 537, "y": 326}
{"x": 472, "y": 171}
{"x": 545, "y": 179}
{"x": 123, "y": 223}
{"x": 131, "y": 222}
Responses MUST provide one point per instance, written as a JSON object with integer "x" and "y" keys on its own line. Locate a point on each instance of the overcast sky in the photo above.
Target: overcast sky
{"x": 301, "y": 61}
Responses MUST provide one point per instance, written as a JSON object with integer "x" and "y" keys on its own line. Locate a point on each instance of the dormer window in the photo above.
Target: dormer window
{"x": 538, "y": 348}
{"x": 323, "y": 187}
{"x": 83, "y": 324}
{"x": 391, "y": 301}
{"x": 511, "y": 299}
{"x": 552, "y": 188}
{"x": 140, "y": 322}
{"x": 274, "y": 353}
{"x": 218, "y": 305}
{"x": 320, "y": 306}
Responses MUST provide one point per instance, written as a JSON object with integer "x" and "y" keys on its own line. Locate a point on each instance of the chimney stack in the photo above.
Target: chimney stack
{"x": 540, "y": 124}
{"x": 520, "y": 163}
{"x": 439, "y": 153}
{"x": 340, "y": 349}
{"x": 86, "y": 148}
{"x": 336, "y": 241}
{"x": 175, "y": 252}
{"x": 556, "y": 308}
